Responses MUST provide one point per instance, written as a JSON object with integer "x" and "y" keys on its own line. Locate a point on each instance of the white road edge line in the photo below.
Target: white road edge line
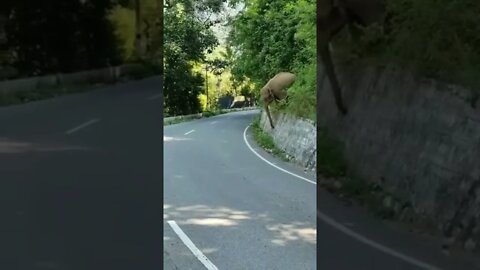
{"x": 84, "y": 125}
{"x": 374, "y": 244}
{"x": 189, "y": 132}
{"x": 155, "y": 97}
{"x": 202, "y": 258}
{"x": 262, "y": 158}
{"x": 336, "y": 225}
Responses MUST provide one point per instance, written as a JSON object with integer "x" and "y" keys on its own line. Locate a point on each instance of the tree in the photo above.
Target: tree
{"x": 187, "y": 39}
{"x": 58, "y": 35}
{"x": 270, "y": 36}
{"x": 139, "y": 25}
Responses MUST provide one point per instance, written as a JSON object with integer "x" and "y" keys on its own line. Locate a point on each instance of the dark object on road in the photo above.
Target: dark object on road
{"x": 331, "y": 19}
{"x": 275, "y": 90}
{"x": 237, "y": 104}
{"x": 225, "y": 102}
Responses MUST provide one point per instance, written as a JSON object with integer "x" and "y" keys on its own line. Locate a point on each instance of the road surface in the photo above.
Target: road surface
{"x": 227, "y": 208}
{"x": 81, "y": 179}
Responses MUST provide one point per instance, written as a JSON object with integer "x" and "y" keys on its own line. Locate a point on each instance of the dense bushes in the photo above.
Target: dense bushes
{"x": 278, "y": 35}
{"x": 187, "y": 38}
{"x": 434, "y": 38}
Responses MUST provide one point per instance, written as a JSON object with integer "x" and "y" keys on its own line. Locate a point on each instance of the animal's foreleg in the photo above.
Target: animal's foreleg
{"x": 329, "y": 69}
{"x": 269, "y": 116}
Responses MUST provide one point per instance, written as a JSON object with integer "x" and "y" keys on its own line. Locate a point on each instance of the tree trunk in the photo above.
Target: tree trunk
{"x": 160, "y": 21}
{"x": 138, "y": 29}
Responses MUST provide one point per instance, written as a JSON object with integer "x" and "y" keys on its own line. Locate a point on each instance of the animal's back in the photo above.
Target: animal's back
{"x": 282, "y": 80}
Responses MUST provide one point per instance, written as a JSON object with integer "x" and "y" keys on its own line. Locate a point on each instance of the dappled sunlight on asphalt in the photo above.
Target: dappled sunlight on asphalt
{"x": 14, "y": 147}
{"x": 169, "y": 139}
{"x": 281, "y": 233}
{"x": 206, "y": 216}
{"x": 210, "y": 222}
{"x": 207, "y": 251}
{"x": 291, "y": 232}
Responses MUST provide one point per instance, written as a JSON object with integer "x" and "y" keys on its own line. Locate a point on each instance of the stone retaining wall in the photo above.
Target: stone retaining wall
{"x": 418, "y": 139}
{"x": 296, "y": 136}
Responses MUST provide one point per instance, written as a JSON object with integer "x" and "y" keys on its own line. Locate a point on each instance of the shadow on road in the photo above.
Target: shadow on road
{"x": 8, "y": 146}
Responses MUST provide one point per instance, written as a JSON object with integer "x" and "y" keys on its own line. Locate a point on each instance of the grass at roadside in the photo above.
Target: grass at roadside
{"x": 206, "y": 114}
{"x": 45, "y": 93}
{"x": 330, "y": 160}
{"x": 265, "y": 141}
{"x": 332, "y": 175}
{"x": 211, "y": 113}
{"x": 181, "y": 119}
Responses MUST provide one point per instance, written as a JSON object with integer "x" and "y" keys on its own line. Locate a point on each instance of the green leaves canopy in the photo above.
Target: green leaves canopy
{"x": 271, "y": 36}
{"x": 187, "y": 38}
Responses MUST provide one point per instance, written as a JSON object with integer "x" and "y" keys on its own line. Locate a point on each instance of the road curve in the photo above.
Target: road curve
{"x": 80, "y": 182}
{"x": 239, "y": 212}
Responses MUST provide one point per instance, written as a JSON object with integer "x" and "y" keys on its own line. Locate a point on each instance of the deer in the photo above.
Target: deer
{"x": 332, "y": 17}
{"x": 275, "y": 90}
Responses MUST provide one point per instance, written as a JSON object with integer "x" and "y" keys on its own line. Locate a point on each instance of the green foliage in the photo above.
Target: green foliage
{"x": 273, "y": 36}
{"x": 203, "y": 102}
{"x": 209, "y": 113}
{"x": 123, "y": 20}
{"x": 181, "y": 88}
{"x": 433, "y": 38}
{"x": 264, "y": 35}
{"x": 187, "y": 38}
{"x": 330, "y": 160}
{"x": 63, "y": 36}
{"x": 265, "y": 140}
{"x": 302, "y": 94}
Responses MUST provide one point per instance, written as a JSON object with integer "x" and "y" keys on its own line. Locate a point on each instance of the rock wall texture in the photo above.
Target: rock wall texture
{"x": 296, "y": 136}
{"x": 418, "y": 139}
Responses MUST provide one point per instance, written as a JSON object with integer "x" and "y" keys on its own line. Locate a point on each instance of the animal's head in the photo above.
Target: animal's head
{"x": 266, "y": 94}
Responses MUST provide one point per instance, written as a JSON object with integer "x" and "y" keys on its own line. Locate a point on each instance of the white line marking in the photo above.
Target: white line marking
{"x": 189, "y": 132}
{"x": 374, "y": 244}
{"x": 202, "y": 258}
{"x": 336, "y": 225}
{"x": 213, "y": 122}
{"x": 155, "y": 97}
{"x": 262, "y": 158}
{"x": 84, "y": 125}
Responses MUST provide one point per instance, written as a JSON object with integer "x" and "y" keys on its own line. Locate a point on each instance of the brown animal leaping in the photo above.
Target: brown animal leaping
{"x": 275, "y": 89}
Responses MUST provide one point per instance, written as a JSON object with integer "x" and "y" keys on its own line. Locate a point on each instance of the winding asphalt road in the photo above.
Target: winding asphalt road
{"x": 240, "y": 212}
{"x": 81, "y": 179}
{"x": 227, "y": 207}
